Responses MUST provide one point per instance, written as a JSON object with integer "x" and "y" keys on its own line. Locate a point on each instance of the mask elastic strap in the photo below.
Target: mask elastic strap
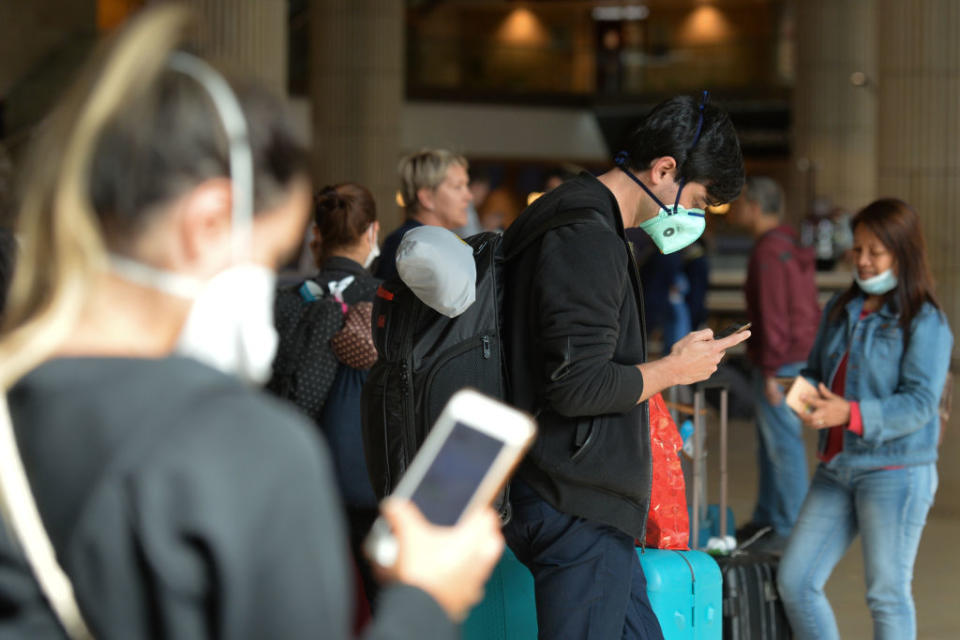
{"x": 167, "y": 282}
{"x": 696, "y": 138}
{"x": 621, "y": 161}
{"x": 703, "y": 105}
{"x": 240, "y": 156}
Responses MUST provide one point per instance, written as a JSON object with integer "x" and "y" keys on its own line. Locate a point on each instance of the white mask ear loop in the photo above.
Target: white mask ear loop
{"x": 240, "y": 156}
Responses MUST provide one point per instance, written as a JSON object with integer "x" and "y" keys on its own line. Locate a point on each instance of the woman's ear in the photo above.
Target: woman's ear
{"x": 425, "y": 199}
{"x": 204, "y": 218}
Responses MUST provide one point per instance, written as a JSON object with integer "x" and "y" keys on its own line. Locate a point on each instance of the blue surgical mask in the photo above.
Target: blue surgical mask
{"x": 676, "y": 228}
{"x": 878, "y": 284}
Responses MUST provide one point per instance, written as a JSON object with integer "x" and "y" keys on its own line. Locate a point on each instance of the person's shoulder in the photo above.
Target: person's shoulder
{"x": 408, "y": 224}
{"x": 208, "y": 405}
{"x": 832, "y": 303}
{"x": 932, "y": 316}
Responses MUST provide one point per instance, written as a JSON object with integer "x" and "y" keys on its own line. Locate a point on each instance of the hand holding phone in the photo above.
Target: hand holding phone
{"x": 452, "y": 564}
{"x": 463, "y": 463}
{"x": 697, "y": 355}
{"x": 801, "y": 387}
{"x": 437, "y": 531}
{"x": 731, "y": 329}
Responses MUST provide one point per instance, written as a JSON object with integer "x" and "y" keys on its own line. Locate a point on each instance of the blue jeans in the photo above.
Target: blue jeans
{"x": 781, "y": 458}
{"x": 888, "y": 507}
{"x": 587, "y": 577}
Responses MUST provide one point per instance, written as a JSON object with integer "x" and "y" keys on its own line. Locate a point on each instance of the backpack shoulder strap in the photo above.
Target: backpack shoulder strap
{"x": 562, "y": 219}
{"x": 19, "y": 511}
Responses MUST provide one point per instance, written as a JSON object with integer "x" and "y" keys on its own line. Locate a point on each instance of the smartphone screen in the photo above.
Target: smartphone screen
{"x": 456, "y": 472}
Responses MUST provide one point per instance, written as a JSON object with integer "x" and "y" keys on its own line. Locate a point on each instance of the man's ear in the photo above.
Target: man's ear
{"x": 425, "y": 198}
{"x": 661, "y": 168}
{"x": 204, "y": 218}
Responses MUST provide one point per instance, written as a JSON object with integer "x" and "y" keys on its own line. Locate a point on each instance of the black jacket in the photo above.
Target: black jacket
{"x": 362, "y": 289}
{"x": 574, "y": 321}
{"x": 184, "y": 505}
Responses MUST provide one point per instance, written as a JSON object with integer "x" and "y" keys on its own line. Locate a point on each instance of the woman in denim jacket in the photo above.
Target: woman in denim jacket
{"x": 880, "y": 360}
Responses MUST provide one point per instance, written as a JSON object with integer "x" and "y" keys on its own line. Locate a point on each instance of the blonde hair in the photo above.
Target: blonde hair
{"x": 63, "y": 245}
{"x": 426, "y": 169}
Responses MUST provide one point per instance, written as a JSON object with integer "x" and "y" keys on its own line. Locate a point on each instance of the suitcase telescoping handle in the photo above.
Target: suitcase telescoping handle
{"x": 699, "y": 457}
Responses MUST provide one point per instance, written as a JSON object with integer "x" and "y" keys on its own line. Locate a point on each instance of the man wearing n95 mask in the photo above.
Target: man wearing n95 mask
{"x": 576, "y": 348}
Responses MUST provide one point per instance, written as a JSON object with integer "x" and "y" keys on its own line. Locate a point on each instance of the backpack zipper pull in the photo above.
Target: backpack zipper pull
{"x": 485, "y": 344}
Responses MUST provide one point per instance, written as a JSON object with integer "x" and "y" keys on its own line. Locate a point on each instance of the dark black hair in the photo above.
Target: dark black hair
{"x": 170, "y": 139}
{"x": 670, "y": 129}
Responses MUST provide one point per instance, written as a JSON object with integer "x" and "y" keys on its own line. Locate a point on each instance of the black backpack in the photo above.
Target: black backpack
{"x": 425, "y": 357}
{"x": 305, "y": 365}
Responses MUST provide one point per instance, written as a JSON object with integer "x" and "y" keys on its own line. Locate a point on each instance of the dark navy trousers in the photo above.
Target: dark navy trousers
{"x": 589, "y": 584}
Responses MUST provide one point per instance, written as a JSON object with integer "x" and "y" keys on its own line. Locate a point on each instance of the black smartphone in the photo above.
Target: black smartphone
{"x": 729, "y": 330}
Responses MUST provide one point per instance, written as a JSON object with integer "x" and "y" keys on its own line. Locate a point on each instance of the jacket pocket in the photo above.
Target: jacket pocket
{"x": 585, "y": 435}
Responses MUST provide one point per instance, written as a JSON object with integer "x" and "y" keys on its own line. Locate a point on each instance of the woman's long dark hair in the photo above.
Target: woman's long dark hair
{"x": 897, "y": 226}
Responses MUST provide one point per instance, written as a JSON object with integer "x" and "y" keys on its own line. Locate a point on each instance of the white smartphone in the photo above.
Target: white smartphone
{"x": 801, "y": 387}
{"x": 466, "y": 459}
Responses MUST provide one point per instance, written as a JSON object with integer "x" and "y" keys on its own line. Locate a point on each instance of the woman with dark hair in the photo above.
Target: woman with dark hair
{"x": 148, "y": 489}
{"x": 880, "y": 360}
{"x": 345, "y": 230}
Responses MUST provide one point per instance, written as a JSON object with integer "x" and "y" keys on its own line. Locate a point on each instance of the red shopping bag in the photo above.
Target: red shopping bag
{"x": 668, "y": 526}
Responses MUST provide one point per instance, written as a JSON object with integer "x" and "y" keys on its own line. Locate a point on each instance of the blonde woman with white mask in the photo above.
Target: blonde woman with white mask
{"x": 174, "y": 500}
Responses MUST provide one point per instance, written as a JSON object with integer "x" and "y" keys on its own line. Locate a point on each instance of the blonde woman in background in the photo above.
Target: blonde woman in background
{"x": 180, "y": 502}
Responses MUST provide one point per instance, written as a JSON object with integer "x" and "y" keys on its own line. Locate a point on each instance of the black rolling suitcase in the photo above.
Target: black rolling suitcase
{"x": 752, "y": 609}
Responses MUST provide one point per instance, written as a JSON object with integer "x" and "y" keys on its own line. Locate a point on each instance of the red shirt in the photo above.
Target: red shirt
{"x": 839, "y": 386}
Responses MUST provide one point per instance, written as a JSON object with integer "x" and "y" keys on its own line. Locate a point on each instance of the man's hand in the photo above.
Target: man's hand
{"x": 773, "y": 391}
{"x": 697, "y": 355}
{"x": 692, "y": 359}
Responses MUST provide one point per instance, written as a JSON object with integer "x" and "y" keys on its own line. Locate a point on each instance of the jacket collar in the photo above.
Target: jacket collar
{"x": 614, "y": 206}
{"x": 855, "y": 307}
{"x": 339, "y": 263}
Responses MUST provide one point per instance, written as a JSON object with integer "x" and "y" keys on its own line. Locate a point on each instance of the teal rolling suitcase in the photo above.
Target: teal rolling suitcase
{"x": 686, "y": 592}
{"x": 508, "y": 610}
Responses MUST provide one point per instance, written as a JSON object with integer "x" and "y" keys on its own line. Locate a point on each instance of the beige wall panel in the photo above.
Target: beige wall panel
{"x": 247, "y": 35}
{"x": 834, "y": 121}
{"x": 919, "y": 153}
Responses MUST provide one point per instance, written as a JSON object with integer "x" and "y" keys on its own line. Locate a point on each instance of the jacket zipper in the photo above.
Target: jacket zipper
{"x": 383, "y": 408}
{"x": 407, "y": 406}
{"x": 638, "y": 291}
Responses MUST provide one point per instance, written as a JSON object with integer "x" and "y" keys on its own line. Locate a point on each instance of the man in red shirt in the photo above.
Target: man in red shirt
{"x": 781, "y": 294}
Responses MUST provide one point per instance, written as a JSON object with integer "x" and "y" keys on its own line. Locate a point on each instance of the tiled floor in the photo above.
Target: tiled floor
{"x": 936, "y": 583}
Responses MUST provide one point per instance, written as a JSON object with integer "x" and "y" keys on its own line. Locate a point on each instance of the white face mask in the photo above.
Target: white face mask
{"x": 230, "y": 324}
{"x": 374, "y": 248}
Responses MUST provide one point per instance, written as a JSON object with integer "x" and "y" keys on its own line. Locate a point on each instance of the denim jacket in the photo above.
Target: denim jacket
{"x": 898, "y": 389}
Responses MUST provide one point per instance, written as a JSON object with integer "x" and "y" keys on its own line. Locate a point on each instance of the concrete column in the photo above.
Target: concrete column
{"x": 918, "y": 154}
{"x": 356, "y": 89}
{"x": 42, "y": 44}
{"x": 834, "y": 120}
{"x": 250, "y": 36}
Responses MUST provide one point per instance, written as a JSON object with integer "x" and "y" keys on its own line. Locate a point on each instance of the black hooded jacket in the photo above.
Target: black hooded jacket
{"x": 574, "y": 331}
